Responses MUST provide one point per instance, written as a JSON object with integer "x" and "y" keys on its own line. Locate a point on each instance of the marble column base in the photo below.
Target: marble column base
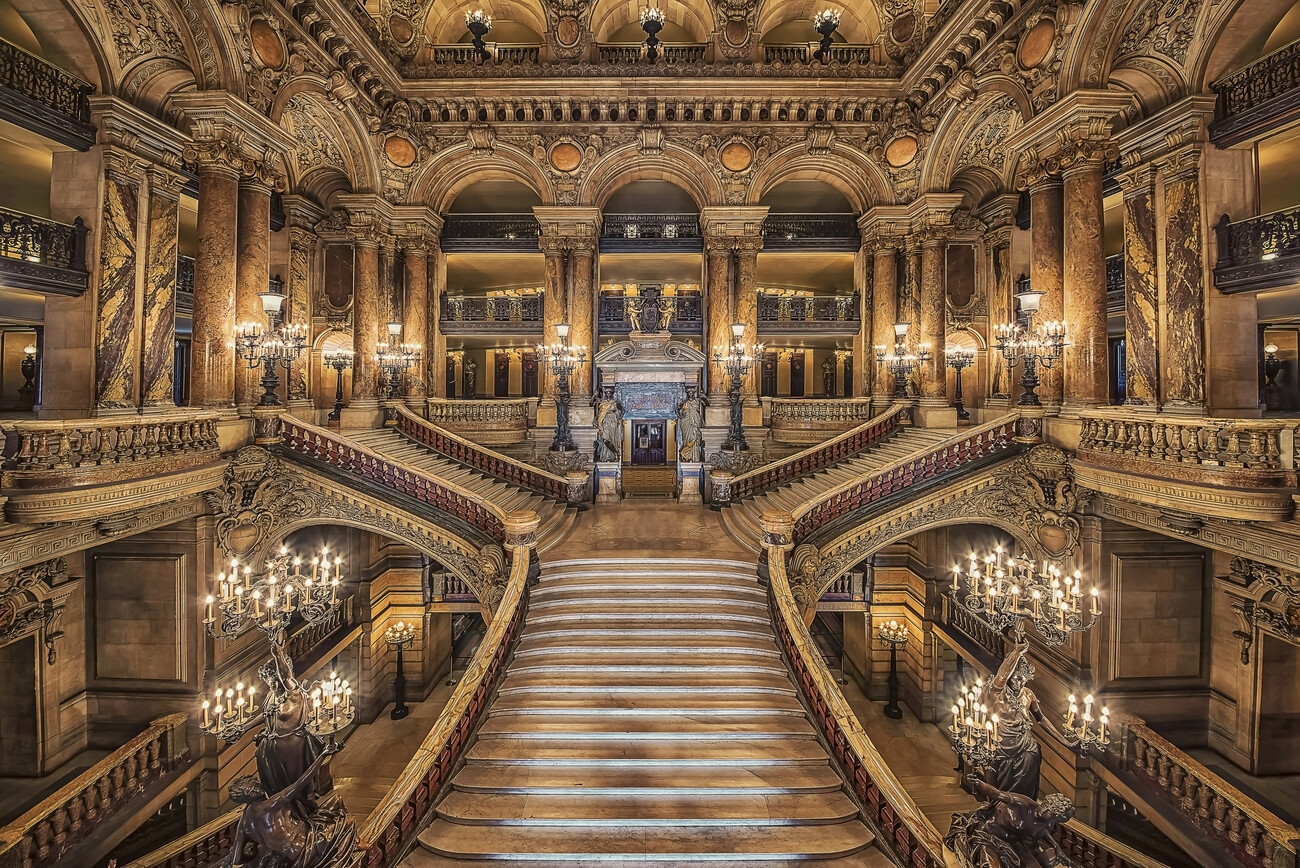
{"x": 234, "y": 434}
{"x": 546, "y": 415}
{"x": 1186, "y": 410}
{"x": 1029, "y": 428}
{"x": 689, "y": 483}
{"x": 609, "y": 481}
{"x": 266, "y": 425}
{"x": 720, "y": 486}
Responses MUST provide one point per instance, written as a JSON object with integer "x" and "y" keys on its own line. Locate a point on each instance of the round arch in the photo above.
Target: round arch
{"x": 459, "y": 167}
{"x": 325, "y": 123}
{"x": 444, "y": 22}
{"x": 860, "y": 180}
{"x": 66, "y": 41}
{"x": 859, "y": 22}
{"x": 677, "y": 165}
{"x": 1237, "y": 37}
{"x": 693, "y": 16}
{"x": 984, "y": 125}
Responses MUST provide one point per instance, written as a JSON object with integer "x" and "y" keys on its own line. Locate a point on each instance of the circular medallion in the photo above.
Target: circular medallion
{"x": 1037, "y": 44}
{"x": 400, "y": 29}
{"x": 736, "y": 157}
{"x": 400, "y": 151}
{"x": 565, "y": 157}
{"x": 266, "y": 43}
{"x": 903, "y": 28}
{"x": 901, "y": 151}
{"x": 567, "y": 31}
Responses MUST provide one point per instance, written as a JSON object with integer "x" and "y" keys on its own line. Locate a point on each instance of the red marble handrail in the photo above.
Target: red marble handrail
{"x": 354, "y": 459}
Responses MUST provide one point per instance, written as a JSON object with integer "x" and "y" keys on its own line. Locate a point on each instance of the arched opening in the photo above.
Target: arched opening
{"x": 495, "y": 196}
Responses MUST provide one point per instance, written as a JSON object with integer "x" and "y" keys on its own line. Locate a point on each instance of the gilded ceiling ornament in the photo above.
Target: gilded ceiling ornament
{"x": 1163, "y": 27}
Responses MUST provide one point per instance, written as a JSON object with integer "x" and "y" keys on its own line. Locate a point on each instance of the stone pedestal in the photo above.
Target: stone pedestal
{"x": 688, "y": 485}
{"x": 545, "y": 414}
{"x": 935, "y": 417}
{"x": 362, "y": 414}
{"x": 609, "y": 481}
{"x": 720, "y": 486}
{"x": 577, "y": 485}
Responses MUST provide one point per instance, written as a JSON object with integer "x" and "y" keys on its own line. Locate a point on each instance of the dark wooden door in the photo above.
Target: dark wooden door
{"x": 451, "y": 376}
{"x": 501, "y": 375}
{"x": 529, "y": 363}
{"x": 767, "y": 385}
{"x": 848, "y": 376}
{"x": 796, "y": 375}
{"x": 648, "y": 445}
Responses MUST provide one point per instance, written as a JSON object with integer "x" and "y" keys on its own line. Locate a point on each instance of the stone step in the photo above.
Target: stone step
{"x": 490, "y": 777}
{"x": 679, "y": 729}
{"x": 667, "y": 700}
{"x": 721, "y": 650}
{"x": 648, "y": 753}
{"x": 615, "y": 681}
{"x": 690, "y": 619}
{"x": 681, "y": 604}
{"x": 698, "y": 590}
{"x": 668, "y": 632}
{"x": 580, "y": 808}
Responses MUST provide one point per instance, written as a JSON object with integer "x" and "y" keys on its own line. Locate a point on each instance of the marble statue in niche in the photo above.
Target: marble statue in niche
{"x": 609, "y": 427}
{"x": 690, "y": 417}
{"x": 469, "y": 370}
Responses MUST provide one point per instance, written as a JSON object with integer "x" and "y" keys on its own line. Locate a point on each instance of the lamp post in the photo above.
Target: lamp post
{"x": 896, "y": 635}
{"x": 652, "y": 21}
{"x": 27, "y": 367}
{"x": 1030, "y": 345}
{"x": 479, "y": 23}
{"x": 959, "y": 359}
{"x": 899, "y": 362}
{"x": 395, "y": 358}
{"x": 561, "y": 358}
{"x": 340, "y": 361}
{"x": 736, "y": 360}
{"x": 276, "y": 344}
{"x": 399, "y": 637}
{"x": 825, "y": 23}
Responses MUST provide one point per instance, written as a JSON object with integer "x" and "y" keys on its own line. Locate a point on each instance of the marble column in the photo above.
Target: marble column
{"x": 997, "y": 246}
{"x": 933, "y": 318}
{"x": 252, "y": 270}
{"x": 746, "y": 308}
{"x": 158, "y": 311}
{"x": 1182, "y": 357}
{"x": 1141, "y": 289}
{"x": 861, "y": 366}
{"x": 718, "y": 302}
{"x": 909, "y": 291}
{"x": 117, "y": 340}
{"x": 1086, "y": 364}
{"x": 436, "y": 359}
{"x": 415, "y": 310}
{"x": 365, "y": 318}
{"x": 581, "y": 305}
{"x": 555, "y": 309}
{"x": 298, "y": 306}
{"x": 1046, "y": 205}
{"x": 884, "y": 292}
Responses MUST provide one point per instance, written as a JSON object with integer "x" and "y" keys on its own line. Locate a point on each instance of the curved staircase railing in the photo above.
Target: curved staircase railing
{"x": 817, "y": 457}
{"x": 480, "y": 458}
{"x": 332, "y": 450}
{"x": 989, "y": 439}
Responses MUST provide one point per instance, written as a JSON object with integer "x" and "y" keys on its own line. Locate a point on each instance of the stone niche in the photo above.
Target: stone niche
{"x": 649, "y": 374}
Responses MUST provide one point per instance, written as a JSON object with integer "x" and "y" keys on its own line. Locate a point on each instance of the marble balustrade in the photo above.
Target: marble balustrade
{"x": 811, "y": 420}
{"x": 47, "y": 453}
{"x": 490, "y": 422}
{"x": 1233, "y": 446}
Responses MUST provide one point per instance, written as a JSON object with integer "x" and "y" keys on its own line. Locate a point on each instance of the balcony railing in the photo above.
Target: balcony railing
{"x": 812, "y": 420}
{"x": 637, "y": 232}
{"x": 479, "y": 314}
{"x": 487, "y": 232}
{"x": 811, "y": 232}
{"x": 36, "y": 95}
{"x": 502, "y": 52}
{"x": 490, "y": 422}
{"x": 42, "y": 255}
{"x": 615, "y": 314}
{"x": 1115, "y": 283}
{"x": 1259, "y": 252}
{"x": 816, "y": 313}
{"x": 634, "y": 52}
{"x": 1258, "y": 98}
{"x": 802, "y": 52}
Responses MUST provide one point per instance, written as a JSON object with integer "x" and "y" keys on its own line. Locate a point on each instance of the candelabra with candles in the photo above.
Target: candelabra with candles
{"x": 331, "y": 707}
{"x": 1004, "y": 592}
{"x": 1030, "y": 345}
{"x": 895, "y": 634}
{"x": 27, "y": 367}
{"x": 736, "y": 361}
{"x": 230, "y": 712}
{"x": 1082, "y": 731}
{"x": 340, "y": 361}
{"x": 825, "y": 23}
{"x": 652, "y": 21}
{"x": 899, "y": 362}
{"x": 399, "y": 637}
{"x": 959, "y": 359}
{"x": 478, "y": 23}
{"x": 975, "y": 733}
{"x": 274, "y": 345}
{"x": 395, "y": 358}
{"x": 271, "y": 599}
{"x": 561, "y": 358}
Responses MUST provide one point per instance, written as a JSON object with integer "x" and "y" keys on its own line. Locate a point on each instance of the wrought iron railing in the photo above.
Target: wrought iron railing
{"x": 1115, "y": 283}
{"x": 629, "y": 227}
{"x": 811, "y": 231}
{"x": 1258, "y": 252}
{"x": 634, "y": 52}
{"x": 807, "y": 308}
{"x": 62, "y": 97}
{"x": 614, "y": 314}
{"x": 505, "y": 309}
{"x": 490, "y": 232}
{"x": 502, "y": 52}
{"x": 42, "y": 255}
{"x": 802, "y": 52}
{"x": 185, "y": 274}
{"x": 1257, "y": 96}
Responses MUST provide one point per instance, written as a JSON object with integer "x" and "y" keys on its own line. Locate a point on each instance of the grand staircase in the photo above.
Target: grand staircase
{"x": 647, "y": 718}
{"x": 742, "y": 517}
{"x": 557, "y": 517}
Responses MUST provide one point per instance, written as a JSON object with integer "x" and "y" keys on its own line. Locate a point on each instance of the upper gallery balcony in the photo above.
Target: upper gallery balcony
{"x": 632, "y": 233}
{"x": 1259, "y": 98}
{"x": 1260, "y": 252}
{"x": 497, "y": 314}
{"x": 41, "y": 255}
{"x": 811, "y": 232}
{"x": 833, "y": 315}
{"x": 38, "y": 96}
{"x": 488, "y": 233}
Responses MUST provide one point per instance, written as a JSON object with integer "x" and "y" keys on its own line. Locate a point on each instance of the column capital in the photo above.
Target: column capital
{"x": 727, "y": 228}
{"x": 123, "y": 165}
{"x": 1182, "y": 164}
{"x": 416, "y": 228}
{"x": 575, "y": 229}
{"x": 164, "y": 182}
{"x": 302, "y": 213}
{"x": 368, "y": 218}
{"x": 884, "y": 226}
{"x": 1138, "y": 180}
{"x": 1037, "y": 173}
{"x": 1086, "y": 147}
{"x": 220, "y": 156}
{"x": 214, "y": 114}
{"x": 263, "y": 173}
{"x": 123, "y": 125}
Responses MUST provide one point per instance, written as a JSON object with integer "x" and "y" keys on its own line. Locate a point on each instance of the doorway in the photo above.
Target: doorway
{"x": 796, "y": 374}
{"x": 501, "y": 376}
{"x": 648, "y": 442}
{"x": 529, "y": 365}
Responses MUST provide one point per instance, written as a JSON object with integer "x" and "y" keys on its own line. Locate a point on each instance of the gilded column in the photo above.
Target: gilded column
{"x": 298, "y": 305}
{"x": 1086, "y": 371}
{"x": 718, "y": 301}
{"x": 746, "y": 306}
{"x": 582, "y": 265}
{"x": 555, "y": 307}
{"x": 158, "y": 310}
{"x": 1141, "y": 289}
{"x": 1046, "y": 205}
{"x": 415, "y": 310}
{"x": 1183, "y": 354}
{"x": 253, "y": 267}
{"x": 117, "y": 340}
{"x": 436, "y": 359}
{"x": 884, "y": 263}
{"x": 365, "y": 316}
{"x": 933, "y": 316}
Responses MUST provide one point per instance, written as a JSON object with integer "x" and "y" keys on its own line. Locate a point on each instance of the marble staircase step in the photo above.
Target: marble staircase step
{"x": 648, "y": 723}
{"x": 676, "y": 603}
{"x": 616, "y": 680}
{"x": 722, "y": 650}
{"x": 694, "y": 621}
{"x": 602, "y": 810}
{"x": 646, "y": 753}
{"x": 619, "y": 702}
{"x": 668, "y": 632}
{"x": 492, "y": 777}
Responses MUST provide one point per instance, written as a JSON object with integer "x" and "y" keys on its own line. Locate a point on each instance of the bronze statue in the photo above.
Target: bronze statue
{"x": 690, "y": 416}
{"x": 828, "y": 378}
{"x": 285, "y": 747}
{"x": 1009, "y": 830}
{"x": 468, "y": 369}
{"x": 1019, "y": 756}
{"x": 609, "y": 427}
{"x": 298, "y": 826}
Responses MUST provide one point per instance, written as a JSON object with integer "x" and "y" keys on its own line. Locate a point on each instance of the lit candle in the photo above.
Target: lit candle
{"x": 243, "y": 710}
{"x": 956, "y": 575}
{"x": 257, "y": 603}
{"x": 995, "y": 722}
{"x": 210, "y": 618}
{"x": 334, "y": 591}
{"x": 1095, "y": 609}
{"x": 252, "y": 709}
{"x": 218, "y": 710}
{"x": 988, "y": 734}
{"x": 248, "y": 578}
{"x": 205, "y": 714}
{"x": 347, "y": 697}
{"x": 1069, "y": 718}
{"x": 314, "y": 563}
{"x": 1038, "y": 603}
{"x": 970, "y": 729}
{"x": 297, "y": 566}
{"x": 1105, "y": 719}
{"x": 956, "y": 718}
{"x": 1064, "y": 608}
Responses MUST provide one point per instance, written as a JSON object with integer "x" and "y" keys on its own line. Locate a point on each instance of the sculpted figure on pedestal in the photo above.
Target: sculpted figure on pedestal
{"x": 1020, "y": 757}
{"x": 690, "y": 416}
{"x": 609, "y": 427}
{"x": 1009, "y": 830}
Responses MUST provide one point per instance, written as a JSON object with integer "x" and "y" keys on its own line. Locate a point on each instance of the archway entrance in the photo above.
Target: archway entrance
{"x": 649, "y": 442}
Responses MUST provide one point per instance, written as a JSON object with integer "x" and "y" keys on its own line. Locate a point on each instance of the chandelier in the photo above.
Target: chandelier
{"x": 736, "y": 361}
{"x": 1004, "y": 592}
{"x": 271, "y": 599}
{"x": 562, "y": 358}
{"x": 269, "y": 346}
{"x": 899, "y": 362}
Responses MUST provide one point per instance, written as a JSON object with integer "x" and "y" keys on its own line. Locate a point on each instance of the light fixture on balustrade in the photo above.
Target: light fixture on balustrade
{"x": 1030, "y": 345}
{"x": 277, "y": 344}
{"x": 736, "y": 360}
{"x": 899, "y": 361}
{"x": 652, "y": 21}
{"x": 395, "y": 358}
{"x": 562, "y": 358}
{"x": 478, "y": 23}
{"x": 825, "y": 23}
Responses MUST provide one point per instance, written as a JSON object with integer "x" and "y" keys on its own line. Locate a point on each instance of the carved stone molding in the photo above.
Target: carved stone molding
{"x": 1270, "y": 601}
{"x": 30, "y": 603}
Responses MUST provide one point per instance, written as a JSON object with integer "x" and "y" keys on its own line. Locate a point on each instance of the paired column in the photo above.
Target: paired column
{"x": 298, "y": 306}
{"x": 884, "y": 294}
{"x": 253, "y": 266}
{"x": 997, "y": 247}
{"x": 582, "y": 264}
{"x": 717, "y": 290}
{"x": 1046, "y": 207}
{"x": 1141, "y": 289}
{"x": 365, "y": 316}
{"x": 933, "y": 316}
{"x": 117, "y": 340}
{"x": 436, "y": 359}
{"x": 555, "y": 307}
{"x": 746, "y": 308}
{"x": 1086, "y": 371}
{"x": 158, "y": 307}
{"x": 415, "y": 259}
{"x": 863, "y": 353}
{"x": 212, "y": 377}
{"x": 1183, "y": 354}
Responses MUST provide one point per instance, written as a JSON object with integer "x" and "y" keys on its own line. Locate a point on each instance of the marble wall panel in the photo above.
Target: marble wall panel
{"x": 1046, "y": 207}
{"x": 747, "y": 311}
{"x": 1141, "y": 297}
{"x": 1086, "y": 371}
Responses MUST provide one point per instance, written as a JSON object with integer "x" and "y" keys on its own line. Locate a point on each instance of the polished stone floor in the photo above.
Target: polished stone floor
{"x": 652, "y": 528}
